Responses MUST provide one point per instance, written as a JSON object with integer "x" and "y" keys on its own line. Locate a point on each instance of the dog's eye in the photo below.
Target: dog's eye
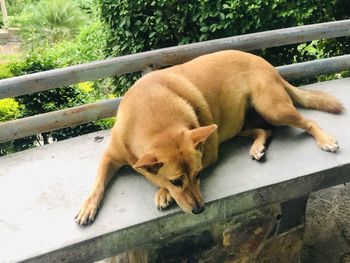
{"x": 177, "y": 182}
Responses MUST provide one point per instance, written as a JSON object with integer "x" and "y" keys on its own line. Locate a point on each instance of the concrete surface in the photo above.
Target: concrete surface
{"x": 42, "y": 189}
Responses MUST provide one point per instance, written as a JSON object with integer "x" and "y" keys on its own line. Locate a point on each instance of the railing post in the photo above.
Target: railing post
{"x": 4, "y": 14}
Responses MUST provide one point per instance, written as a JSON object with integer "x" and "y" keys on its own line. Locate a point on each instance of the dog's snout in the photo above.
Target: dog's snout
{"x": 198, "y": 209}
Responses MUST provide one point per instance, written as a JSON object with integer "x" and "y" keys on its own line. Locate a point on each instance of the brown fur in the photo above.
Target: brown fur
{"x": 313, "y": 99}
{"x": 171, "y": 122}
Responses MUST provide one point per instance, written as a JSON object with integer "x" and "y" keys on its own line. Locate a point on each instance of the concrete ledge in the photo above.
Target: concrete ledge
{"x": 9, "y": 35}
{"x": 41, "y": 190}
{"x": 3, "y": 36}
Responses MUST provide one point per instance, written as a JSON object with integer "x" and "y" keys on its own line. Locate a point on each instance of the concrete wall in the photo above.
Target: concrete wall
{"x": 9, "y": 35}
{"x": 270, "y": 234}
{"x": 326, "y": 237}
{"x": 327, "y": 231}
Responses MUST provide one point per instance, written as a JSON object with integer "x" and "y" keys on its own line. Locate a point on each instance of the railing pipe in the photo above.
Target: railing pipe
{"x": 58, "y": 119}
{"x": 315, "y": 67}
{"x": 91, "y": 112}
{"x": 50, "y": 79}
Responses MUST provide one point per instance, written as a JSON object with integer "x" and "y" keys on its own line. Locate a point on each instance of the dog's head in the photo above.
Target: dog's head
{"x": 174, "y": 163}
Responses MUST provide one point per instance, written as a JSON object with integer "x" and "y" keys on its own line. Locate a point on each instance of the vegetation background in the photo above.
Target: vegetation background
{"x": 58, "y": 33}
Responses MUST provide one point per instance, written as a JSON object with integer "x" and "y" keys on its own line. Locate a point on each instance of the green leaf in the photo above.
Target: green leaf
{"x": 204, "y": 29}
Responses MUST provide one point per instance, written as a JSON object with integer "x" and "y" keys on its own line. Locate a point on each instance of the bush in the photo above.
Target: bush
{"x": 9, "y": 110}
{"x": 15, "y": 7}
{"x": 56, "y": 99}
{"x": 88, "y": 6}
{"x": 88, "y": 46}
{"x": 136, "y": 26}
{"x": 5, "y": 72}
{"x": 143, "y": 25}
{"x": 50, "y": 21}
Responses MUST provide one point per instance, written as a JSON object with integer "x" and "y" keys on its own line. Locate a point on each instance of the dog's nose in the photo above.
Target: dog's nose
{"x": 198, "y": 209}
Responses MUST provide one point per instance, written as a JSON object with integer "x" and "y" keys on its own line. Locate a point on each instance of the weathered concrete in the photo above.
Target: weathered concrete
{"x": 327, "y": 233}
{"x": 41, "y": 190}
{"x": 254, "y": 236}
{"x": 9, "y": 35}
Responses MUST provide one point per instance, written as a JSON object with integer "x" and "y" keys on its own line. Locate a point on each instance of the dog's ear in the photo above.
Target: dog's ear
{"x": 149, "y": 163}
{"x": 201, "y": 134}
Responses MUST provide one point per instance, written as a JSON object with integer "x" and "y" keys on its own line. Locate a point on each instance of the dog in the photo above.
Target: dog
{"x": 171, "y": 122}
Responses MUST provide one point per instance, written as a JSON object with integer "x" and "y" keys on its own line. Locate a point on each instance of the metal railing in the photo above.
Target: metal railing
{"x": 51, "y": 79}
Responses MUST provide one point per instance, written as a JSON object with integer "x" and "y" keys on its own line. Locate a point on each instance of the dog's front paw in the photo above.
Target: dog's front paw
{"x": 257, "y": 151}
{"x": 87, "y": 212}
{"x": 163, "y": 199}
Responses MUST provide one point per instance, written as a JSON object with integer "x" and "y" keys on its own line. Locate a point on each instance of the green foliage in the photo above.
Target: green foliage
{"x": 326, "y": 48}
{"x": 88, "y": 46}
{"x": 55, "y": 99}
{"x": 14, "y": 8}
{"x": 150, "y": 24}
{"x": 17, "y": 11}
{"x": 315, "y": 49}
{"x": 43, "y": 101}
{"x": 9, "y": 109}
{"x": 50, "y": 21}
{"x": 141, "y": 25}
{"x": 88, "y": 6}
{"x": 5, "y": 72}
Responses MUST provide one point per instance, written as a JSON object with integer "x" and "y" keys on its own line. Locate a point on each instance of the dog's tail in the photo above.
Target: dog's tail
{"x": 313, "y": 99}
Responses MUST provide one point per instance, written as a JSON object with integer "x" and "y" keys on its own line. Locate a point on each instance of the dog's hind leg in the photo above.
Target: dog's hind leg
{"x": 107, "y": 168}
{"x": 260, "y": 136}
{"x": 275, "y": 106}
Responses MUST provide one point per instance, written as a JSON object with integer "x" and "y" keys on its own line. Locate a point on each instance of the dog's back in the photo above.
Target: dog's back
{"x": 219, "y": 87}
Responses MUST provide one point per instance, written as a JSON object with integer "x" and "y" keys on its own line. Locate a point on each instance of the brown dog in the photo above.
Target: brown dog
{"x": 171, "y": 122}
